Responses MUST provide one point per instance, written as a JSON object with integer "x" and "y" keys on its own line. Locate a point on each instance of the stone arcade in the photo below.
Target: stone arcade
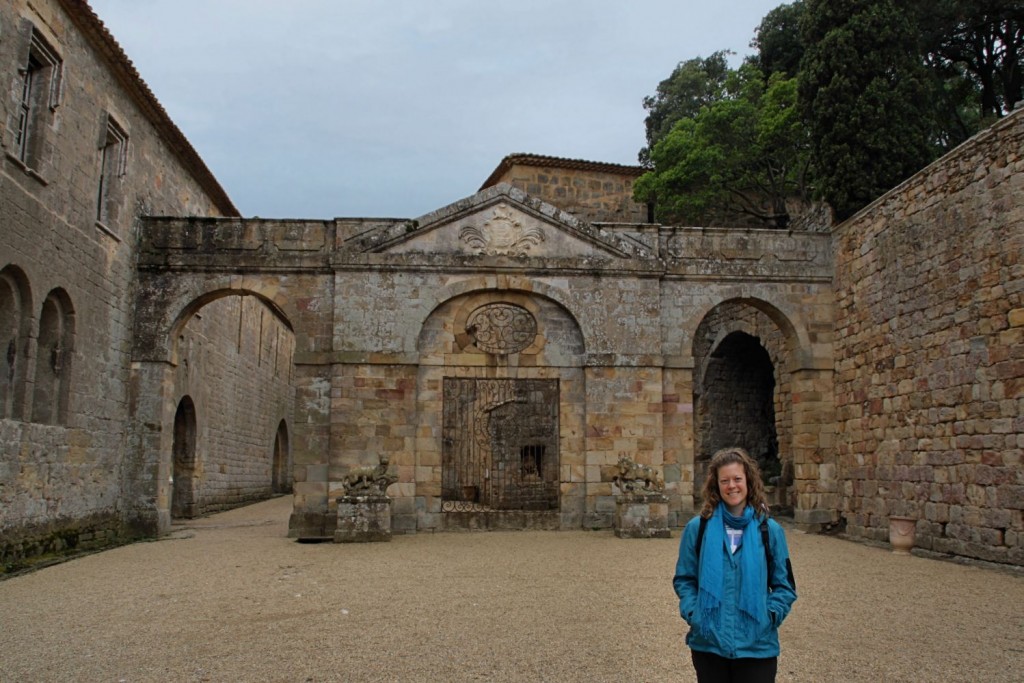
{"x": 504, "y": 354}
{"x": 165, "y": 358}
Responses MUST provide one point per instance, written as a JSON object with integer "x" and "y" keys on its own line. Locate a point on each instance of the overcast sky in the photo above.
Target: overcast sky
{"x": 327, "y": 108}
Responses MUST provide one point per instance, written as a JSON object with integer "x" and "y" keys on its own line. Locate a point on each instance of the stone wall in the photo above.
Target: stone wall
{"x": 930, "y": 353}
{"x": 62, "y": 261}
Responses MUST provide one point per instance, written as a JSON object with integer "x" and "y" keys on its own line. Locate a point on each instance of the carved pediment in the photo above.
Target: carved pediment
{"x": 498, "y": 221}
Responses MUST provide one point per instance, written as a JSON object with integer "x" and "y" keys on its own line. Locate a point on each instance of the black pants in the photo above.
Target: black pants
{"x": 714, "y": 669}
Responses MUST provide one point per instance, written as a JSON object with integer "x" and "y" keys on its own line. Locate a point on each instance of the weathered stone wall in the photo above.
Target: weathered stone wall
{"x": 376, "y": 337}
{"x": 60, "y": 483}
{"x": 930, "y": 353}
{"x": 235, "y": 364}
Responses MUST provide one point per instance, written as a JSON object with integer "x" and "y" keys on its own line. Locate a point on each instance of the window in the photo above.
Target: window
{"x": 113, "y": 153}
{"x": 39, "y": 96}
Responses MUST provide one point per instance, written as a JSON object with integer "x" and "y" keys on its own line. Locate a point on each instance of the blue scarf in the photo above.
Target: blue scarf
{"x": 714, "y": 558}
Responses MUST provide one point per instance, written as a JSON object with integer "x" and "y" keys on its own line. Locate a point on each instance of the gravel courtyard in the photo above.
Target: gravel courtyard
{"x": 231, "y": 598}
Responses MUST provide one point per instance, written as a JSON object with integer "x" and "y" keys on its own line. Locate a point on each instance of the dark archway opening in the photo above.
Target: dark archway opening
{"x": 735, "y": 406}
{"x": 281, "y": 482}
{"x": 183, "y": 496}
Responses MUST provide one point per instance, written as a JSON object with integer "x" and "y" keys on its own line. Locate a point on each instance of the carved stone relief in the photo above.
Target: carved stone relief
{"x": 502, "y": 235}
{"x": 501, "y": 328}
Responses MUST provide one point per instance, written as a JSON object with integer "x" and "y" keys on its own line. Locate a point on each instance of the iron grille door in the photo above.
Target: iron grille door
{"x": 500, "y": 447}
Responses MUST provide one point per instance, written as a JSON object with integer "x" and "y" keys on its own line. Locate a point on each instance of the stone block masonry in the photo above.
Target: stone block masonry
{"x": 930, "y": 353}
{"x": 67, "y": 273}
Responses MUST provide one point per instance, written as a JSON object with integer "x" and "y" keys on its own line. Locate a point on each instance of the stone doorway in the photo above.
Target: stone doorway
{"x": 280, "y": 479}
{"x": 500, "y": 445}
{"x": 183, "y": 493}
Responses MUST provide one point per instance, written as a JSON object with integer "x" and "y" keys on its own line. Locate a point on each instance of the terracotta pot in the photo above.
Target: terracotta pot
{"x": 901, "y": 534}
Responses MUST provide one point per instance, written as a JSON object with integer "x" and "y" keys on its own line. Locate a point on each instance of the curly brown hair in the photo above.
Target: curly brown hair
{"x": 755, "y": 488}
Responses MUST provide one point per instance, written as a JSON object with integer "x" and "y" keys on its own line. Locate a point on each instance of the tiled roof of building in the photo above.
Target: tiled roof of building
{"x": 558, "y": 162}
{"x": 94, "y": 30}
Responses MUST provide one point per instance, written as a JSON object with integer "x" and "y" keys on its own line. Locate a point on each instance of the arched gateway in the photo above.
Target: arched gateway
{"x": 501, "y": 353}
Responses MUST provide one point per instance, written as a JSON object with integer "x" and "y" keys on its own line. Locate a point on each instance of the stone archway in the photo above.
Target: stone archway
{"x": 507, "y": 367}
{"x": 183, "y": 461}
{"x": 736, "y": 405}
{"x": 742, "y": 394}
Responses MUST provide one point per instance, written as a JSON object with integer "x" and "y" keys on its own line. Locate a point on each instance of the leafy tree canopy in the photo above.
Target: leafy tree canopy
{"x": 778, "y": 41}
{"x": 862, "y": 85}
{"x": 692, "y": 85}
{"x": 983, "y": 40}
{"x": 740, "y": 157}
{"x": 880, "y": 88}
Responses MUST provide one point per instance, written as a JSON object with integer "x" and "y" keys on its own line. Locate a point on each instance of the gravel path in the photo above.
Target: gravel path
{"x": 231, "y": 598}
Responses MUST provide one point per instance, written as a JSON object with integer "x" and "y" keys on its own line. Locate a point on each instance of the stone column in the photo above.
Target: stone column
{"x": 146, "y": 482}
{"x": 310, "y": 449}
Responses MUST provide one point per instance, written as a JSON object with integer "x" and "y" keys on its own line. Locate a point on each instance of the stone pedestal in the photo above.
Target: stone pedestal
{"x": 642, "y": 515}
{"x": 363, "y": 519}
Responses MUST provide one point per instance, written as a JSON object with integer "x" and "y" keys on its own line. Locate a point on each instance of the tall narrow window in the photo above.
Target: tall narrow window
{"x": 39, "y": 96}
{"x": 113, "y": 152}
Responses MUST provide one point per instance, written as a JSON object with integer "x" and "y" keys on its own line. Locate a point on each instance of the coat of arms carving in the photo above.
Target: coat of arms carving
{"x": 502, "y": 235}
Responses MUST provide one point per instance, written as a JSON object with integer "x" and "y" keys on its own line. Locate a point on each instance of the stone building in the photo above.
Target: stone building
{"x": 85, "y": 152}
{"x": 591, "y": 191}
{"x": 171, "y": 358}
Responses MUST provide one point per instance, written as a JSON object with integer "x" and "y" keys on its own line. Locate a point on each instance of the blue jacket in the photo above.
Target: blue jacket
{"x": 726, "y": 643}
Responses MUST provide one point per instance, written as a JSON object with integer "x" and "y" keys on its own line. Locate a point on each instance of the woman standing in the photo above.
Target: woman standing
{"x": 734, "y": 591}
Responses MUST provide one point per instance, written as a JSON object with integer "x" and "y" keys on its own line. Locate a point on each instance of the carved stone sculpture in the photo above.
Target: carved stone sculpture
{"x": 369, "y": 481}
{"x": 636, "y": 478}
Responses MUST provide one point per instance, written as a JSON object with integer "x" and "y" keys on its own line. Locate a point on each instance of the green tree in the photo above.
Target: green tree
{"x": 693, "y": 84}
{"x": 741, "y": 157}
{"x": 778, "y": 42}
{"x": 983, "y": 42}
{"x": 862, "y": 87}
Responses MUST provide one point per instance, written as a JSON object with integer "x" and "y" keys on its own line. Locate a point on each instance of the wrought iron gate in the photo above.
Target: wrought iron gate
{"x": 500, "y": 444}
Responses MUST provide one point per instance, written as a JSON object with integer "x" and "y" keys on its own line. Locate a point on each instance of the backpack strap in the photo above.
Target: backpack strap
{"x": 767, "y": 548}
{"x": 700, "y": 534}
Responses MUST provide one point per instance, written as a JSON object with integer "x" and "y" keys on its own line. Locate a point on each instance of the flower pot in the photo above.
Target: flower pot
{"x": 901, "y": 534}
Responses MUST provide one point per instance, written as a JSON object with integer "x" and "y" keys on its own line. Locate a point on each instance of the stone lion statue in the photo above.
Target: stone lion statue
{"x": 634, "y": 477}
{"x": 369, "y": 481}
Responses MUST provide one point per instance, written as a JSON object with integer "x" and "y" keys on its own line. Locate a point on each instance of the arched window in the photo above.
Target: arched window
{"x": 14, "y": 323}
{"x": 53, "y": 360}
